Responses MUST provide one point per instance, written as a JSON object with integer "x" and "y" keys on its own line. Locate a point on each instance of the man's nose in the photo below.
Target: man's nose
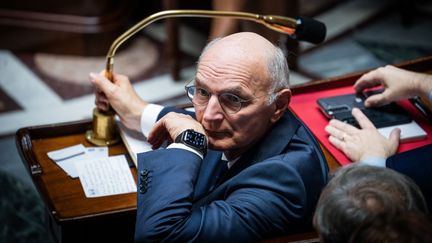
{"x": 213, "y": 110}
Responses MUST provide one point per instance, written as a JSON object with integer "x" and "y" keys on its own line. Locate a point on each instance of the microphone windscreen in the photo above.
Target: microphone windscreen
{"x": 310, "y": 30}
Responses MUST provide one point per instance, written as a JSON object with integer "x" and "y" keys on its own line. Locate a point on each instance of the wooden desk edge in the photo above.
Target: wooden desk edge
{"x": 24, "y": 137}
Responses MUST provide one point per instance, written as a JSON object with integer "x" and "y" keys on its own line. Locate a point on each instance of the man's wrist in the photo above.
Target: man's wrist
{"x": 194, "y": 140}
{"x": 149, "y": 117}
{"x": 424, "y": 84}
{"x": 373, "y": 161}
{"x": 184, "y": 147}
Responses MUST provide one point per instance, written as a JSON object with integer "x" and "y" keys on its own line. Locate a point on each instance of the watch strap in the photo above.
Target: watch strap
{"x": 194, "y": 140}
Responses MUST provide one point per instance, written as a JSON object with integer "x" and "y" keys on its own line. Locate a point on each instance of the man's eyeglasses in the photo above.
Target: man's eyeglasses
{"x": 230, "y": 103}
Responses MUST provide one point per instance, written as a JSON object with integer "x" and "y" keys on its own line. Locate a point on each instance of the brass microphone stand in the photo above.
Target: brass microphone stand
{"x": 104, "y": 132}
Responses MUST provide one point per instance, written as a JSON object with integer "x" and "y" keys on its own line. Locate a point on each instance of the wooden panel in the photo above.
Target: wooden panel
{"x": 71, "y": 27}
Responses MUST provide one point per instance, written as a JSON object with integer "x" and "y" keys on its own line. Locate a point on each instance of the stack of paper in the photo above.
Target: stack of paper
{"x": 134, "y": 141}
{"x": 106, "y": 176}
{"x": 67, "y": 157}
{"x": 100, "y": 175}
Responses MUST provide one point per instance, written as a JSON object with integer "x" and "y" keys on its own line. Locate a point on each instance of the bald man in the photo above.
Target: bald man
{"x": 242, "y": 167}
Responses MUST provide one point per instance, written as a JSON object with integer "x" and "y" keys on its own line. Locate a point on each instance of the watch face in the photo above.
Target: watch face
{"x": 195, "y": 139}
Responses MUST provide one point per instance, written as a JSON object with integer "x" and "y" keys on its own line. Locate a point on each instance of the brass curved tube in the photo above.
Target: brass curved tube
{"x": 104, "y": 132}
{"x": 280, "y": 24}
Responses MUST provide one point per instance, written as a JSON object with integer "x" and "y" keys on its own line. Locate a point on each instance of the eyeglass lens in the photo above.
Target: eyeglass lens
{"x": 229, "y": 102}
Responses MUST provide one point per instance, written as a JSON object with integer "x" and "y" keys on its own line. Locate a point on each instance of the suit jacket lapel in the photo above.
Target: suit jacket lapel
{"x": 208, "y": 173}
{"x": 272, "y": 144}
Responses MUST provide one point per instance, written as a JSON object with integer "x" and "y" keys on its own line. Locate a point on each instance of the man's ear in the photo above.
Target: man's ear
{"x": 281, "y": 103}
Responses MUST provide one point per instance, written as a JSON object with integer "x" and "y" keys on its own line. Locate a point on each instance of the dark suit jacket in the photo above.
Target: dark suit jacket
{"x": 271, "y": 190}
{"x": 417, "y": 164}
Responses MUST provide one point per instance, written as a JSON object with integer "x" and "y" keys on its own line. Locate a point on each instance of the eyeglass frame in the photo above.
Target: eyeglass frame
{"x": 241, "y": 100}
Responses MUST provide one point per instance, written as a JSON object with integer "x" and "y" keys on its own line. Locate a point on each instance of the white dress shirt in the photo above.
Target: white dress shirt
{"x": 148, "y": 119}
{"x": 374, "y": 161}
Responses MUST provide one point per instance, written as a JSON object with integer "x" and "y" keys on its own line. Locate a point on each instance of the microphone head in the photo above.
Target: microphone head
{"x": 310, "y": 30}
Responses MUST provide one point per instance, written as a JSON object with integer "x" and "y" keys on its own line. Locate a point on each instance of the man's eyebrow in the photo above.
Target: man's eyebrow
{"x": 234, "y": 89}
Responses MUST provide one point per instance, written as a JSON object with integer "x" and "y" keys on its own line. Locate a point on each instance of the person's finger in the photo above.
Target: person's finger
{"x": 368, "y": 80}
{"x": 153, "y": 134}
{"x": 376, "y": 100}
{"x": 362, "y": 119}
{"x": 158, "y": 134}
{"x": 102, "y": 83}
{"x": 157, "y": 140}
{"x": 333, "y": 131}
{"x": 338, "y": 143}
{"x": 335, "y": 141}
{"x": 394, "y": 139}
{"x": 102, "y": 105}
{"x": 101, "y": 99}
{"x": 343, "y": 126}
{"x": 345, "y": 147}
{"x": 120, "y": 79}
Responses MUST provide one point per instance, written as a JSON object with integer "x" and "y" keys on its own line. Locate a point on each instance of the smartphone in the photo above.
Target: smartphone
{"x": 340, "y": 107}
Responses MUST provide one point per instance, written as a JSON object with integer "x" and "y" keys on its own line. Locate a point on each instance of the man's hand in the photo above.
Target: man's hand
{"x": 398, "y": 84}
{"x": 121, "y": 96}
{"x": 358, "y": 144}
{"x": 170, "y": 126}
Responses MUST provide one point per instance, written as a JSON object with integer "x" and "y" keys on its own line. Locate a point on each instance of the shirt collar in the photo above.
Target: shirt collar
{"x": 230, "y": 163}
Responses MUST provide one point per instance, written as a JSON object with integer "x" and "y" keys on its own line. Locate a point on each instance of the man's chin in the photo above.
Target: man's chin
{"x": 218, "y": 145}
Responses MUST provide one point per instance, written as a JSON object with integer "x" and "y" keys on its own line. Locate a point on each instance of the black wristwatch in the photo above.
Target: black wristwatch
{"x": 193, "y": 139}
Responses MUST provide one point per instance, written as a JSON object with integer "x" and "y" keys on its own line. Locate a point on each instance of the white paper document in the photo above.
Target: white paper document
{"x": 134, "y": 141}
{"x": 106, "y": 176}
{"x": 67, "y": 157}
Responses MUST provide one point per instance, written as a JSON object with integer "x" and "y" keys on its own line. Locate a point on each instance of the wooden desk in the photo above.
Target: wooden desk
{"x": 112, "y": 218}
{"x": 74, "y": 217}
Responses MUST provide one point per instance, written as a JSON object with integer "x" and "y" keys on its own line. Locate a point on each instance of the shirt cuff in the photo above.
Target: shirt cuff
{"x": 182, "y": 146}
{"x": 374, "y": 161}
{"x": 149, "y": 117}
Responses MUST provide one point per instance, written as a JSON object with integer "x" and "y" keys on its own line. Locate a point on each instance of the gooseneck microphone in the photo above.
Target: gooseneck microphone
{"x": 303, "y": 29}
{"x": 310, "y": 30}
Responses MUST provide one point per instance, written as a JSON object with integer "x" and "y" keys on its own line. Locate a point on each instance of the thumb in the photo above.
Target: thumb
{"x": 375, "y": 100}
{"x": 101, "y": 82}
{"x": 394, "y": 139}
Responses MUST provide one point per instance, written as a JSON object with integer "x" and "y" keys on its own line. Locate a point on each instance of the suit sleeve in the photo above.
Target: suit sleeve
{"x": 167, "y": 110}
{"x": 416, "y": 164}
{"x": 166, "y": 182}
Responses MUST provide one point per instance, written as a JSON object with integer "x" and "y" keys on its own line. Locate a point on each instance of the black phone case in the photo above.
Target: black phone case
{"x": 340, "y": 106}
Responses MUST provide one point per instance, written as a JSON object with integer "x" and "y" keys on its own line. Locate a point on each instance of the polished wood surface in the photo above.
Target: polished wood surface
{"x": 63, "y": 195}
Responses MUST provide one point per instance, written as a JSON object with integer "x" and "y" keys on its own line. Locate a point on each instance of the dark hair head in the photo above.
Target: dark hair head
{"x": 413, "y": 227}
{"x": 359, "y": 192}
